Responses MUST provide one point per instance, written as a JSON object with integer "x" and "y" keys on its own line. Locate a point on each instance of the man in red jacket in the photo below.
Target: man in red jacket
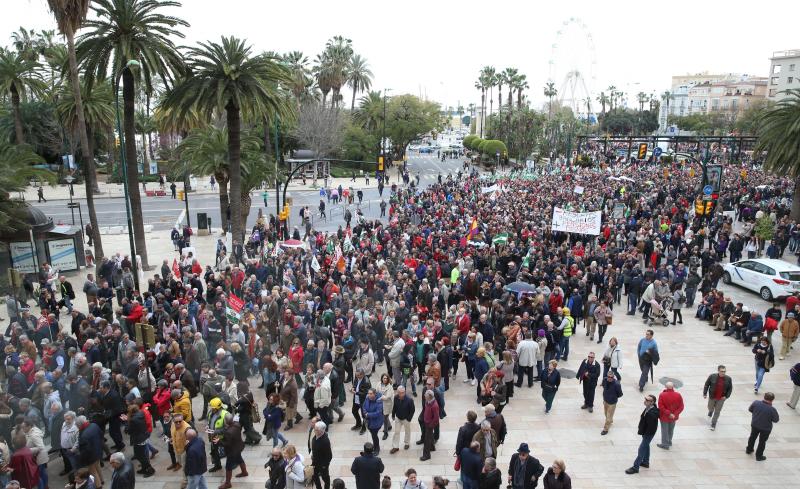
{"x": 670, "y": 406}
{"x": 430, "y": 418}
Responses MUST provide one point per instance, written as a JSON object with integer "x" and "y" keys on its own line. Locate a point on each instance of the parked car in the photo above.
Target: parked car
{"x": 772, "y": 279}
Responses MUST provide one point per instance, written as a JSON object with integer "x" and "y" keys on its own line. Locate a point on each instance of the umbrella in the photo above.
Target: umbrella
{"x": 520, "y": 288}
{"x": 292, "y": 243}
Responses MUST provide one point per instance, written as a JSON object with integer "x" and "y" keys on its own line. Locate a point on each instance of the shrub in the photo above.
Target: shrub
{"x": 491, "y": 147}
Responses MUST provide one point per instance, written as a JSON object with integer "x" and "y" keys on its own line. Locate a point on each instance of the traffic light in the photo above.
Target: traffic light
{"x": 642, "y": 151}
{"x": 699, "y": 207}
{"x": 380, "y": 163}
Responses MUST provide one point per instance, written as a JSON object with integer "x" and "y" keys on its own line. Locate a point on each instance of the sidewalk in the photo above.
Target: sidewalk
{"x": 201, "y": 187}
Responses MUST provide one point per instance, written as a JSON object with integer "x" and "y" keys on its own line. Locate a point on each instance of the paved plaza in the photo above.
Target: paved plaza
{"x": 699, "y": 457}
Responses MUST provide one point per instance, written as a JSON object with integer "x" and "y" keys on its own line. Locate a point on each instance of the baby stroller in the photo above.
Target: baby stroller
{"x": 658, "y": 311}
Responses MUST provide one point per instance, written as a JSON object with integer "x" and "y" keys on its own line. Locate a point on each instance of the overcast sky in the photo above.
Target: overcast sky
{"x": 437, "y": 47}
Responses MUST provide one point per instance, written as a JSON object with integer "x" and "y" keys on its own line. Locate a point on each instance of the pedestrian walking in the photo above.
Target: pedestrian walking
{"x": 612, "y": 358}
{"x": 367, "y": 468}
{"x": 551, "y": 380}
{"x": 670, "y": 407}
{"x": 588, "y": 375}
{"x": 527, "y": 352}
{"x": 524, "y": 470}
{"x": 717, "y": 390}
{"x": 173, "y": 189}
{"x": 123, "y": 476}
{"x": 612, "y": 391}
{"x": 40, "y": 193}
{"x": 648, "y": 426}
{"x": 430, "y": 419}
{"x": 402, "y": 413}
{"x": 647, "y": 351}
{"x": 196, "y": 461}
{"x": 790, "y": 329}
{"x": 794, "y": 374}
{"x": 764, "y": 360}
{"x": 321, "y": 455}
{"x": 764, "y": 417}
{"x": 556, "y": 476}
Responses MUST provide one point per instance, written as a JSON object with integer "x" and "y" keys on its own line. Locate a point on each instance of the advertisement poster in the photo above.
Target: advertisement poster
{"x": 63, "y": 255}
{"x": 22, "y": 257}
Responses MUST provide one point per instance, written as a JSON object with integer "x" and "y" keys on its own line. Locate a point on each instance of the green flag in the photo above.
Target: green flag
{"x": 500, "y": 238}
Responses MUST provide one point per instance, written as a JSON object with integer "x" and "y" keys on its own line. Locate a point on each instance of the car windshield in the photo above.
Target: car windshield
{"x": 793, "y": 276}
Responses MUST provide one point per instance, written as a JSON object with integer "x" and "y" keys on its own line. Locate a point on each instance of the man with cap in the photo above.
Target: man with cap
{"x": 524, "y": 470}
{"x": 216, "y": 423}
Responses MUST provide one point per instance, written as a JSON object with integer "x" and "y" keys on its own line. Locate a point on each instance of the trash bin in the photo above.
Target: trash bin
{"x": 202, "y": 224}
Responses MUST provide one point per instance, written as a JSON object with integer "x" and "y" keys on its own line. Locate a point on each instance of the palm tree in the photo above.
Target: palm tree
{"x": 297, "y": 63}
{"x": 501, "y": 79}
{"x": 667, "y": 96}
{"x": 779, "y": 138}
{"x": 226, "y": 77}
{"x": 131, "y": 30}
{"x": 485, "y": 81}
{"x": 511, "y": 76}
{"x": 522, "y": 84}
{"x": 479, "y": 85}
{"x": 19, "y": 76}
{"x": 550, "y": 91}
{"x": 26, "y": 43}
{"x": 359, "y": 77}
{"x": 338, "y": 53}
{"x": 612, "y": 94}
{"x": 97, "y": 105}
{"x": 491, "y": 82}
{"x": 641, "y": 97}
{"x": 369, "y": 114}
{"x": 324, "y": 72}
{"x": 17, "y": 163}
{"x": 603, "y": 100}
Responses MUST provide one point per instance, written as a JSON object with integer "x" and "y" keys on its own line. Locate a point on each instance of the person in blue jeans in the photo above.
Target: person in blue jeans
{"x": 647, "y": 351}
{"x": 764, "y": 360}
{"x": 648, "y": 425}
{"x": 273, "y": 416}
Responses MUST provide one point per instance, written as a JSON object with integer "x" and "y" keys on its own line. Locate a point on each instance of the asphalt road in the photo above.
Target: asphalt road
{"x": 163, "y": 212}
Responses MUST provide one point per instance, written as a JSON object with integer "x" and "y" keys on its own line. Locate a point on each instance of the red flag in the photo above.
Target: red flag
{"x": 176, "y": 270}
{"x": 473, "y": 228}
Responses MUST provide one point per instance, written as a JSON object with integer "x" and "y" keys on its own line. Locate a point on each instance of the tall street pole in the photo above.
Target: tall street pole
{"x": 130, "y": 64}
{"x": 277, "y": 180}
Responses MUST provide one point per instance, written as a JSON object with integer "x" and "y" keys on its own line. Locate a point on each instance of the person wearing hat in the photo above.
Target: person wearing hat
{"x": 216, "y": 424}
{"x": 790, "y": 329}
{"x": 524, "y": 470}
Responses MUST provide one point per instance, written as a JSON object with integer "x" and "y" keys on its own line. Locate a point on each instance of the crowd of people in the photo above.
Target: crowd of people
{"x": 381, "y": 315}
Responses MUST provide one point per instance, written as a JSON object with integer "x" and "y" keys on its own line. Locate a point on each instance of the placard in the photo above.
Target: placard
{"x": 62, "y": 254}
{"x": 576, "y": 222}
{"x": 22, "y": 257}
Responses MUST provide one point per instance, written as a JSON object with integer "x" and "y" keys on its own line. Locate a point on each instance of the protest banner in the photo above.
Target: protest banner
{"x": 576, "y": 222}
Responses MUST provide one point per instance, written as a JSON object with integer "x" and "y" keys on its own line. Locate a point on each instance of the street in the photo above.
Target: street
{"x": 162, "y": 213}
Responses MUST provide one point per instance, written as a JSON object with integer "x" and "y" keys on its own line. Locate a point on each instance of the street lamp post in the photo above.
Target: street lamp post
{"x": 383, "y": 130}
{"x": 130, "y": 64}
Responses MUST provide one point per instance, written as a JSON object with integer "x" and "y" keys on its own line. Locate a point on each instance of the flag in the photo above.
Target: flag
{"x": 473, "y": 228}
{"x": 347, "y": 246}
{"x": 329, "y": 247}
{"x": 527, "y": 260}
{"x": 429, "y": 241}
{"x": 340, "y": 264}
{"x": 315, "y": 264}
{"x": 500, "y": 238}
{"x": 176, "y": 270}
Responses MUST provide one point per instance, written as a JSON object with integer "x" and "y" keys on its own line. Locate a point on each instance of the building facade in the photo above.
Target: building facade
{"x": 784, "y": 73}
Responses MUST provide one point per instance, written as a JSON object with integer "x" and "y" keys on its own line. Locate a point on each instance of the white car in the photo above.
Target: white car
{"x": 770, "y": 278}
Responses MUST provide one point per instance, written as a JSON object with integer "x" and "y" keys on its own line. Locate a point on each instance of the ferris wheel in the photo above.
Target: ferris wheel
{"x": 573, "y": 64}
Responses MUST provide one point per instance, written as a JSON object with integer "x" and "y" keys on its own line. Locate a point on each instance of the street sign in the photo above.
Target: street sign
{"x": 69, "y": 179}
{"x": 707, "y": 190}
{"x": 72, "y": 205}
{"x": 707, "y": 198}
{"x": 657, "y": 152}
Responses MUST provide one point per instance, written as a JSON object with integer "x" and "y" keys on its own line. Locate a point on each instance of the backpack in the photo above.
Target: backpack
{"x": 682, "y": 298}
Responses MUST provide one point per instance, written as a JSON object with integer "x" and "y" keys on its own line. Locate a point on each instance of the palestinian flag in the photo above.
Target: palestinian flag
{"x": 500, "y": 238}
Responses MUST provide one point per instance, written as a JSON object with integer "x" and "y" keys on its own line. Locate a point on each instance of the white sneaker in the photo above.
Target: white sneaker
{"x": 472, "y": 382}
{"x": 465, "y": 381}
{"x": 712, "y": 427}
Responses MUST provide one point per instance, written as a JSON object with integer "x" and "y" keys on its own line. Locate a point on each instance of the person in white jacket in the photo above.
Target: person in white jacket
{"x": 395, "y": 355}
{"x": 527, "y": 350}
{"x": 295, "y": 475}
{"x": 365, "y": 359}
{"x": 612, "y": 358}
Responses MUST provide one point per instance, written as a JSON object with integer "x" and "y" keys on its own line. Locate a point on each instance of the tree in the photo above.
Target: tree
{"x": 704, "y": 124}
{"x": 357, "y": 143}
{"x": 642, "y": 98}
{"x": 302, "y": 83}
{"x": 17, "y": 163}
{"x": 779, "y": 139}
{"x": 749, "y": 120}
{"x": 336, "y": 60}
{"x": 226, "y": 77}
{"x": 131, "y": 30}
{"x": 603, "y": 100}
{"x": 19, "y": 76}
{"x": 522, "y": 84}
{"x": 550, "y": 91}
{"x": 612, "y": 96}
{"x": 369, "y": 114}
{"x": 359, "y": 76}
{"x": 320, "y": 129}
{"x": 408, "y": 118}
{"x": 40, "y": 126}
